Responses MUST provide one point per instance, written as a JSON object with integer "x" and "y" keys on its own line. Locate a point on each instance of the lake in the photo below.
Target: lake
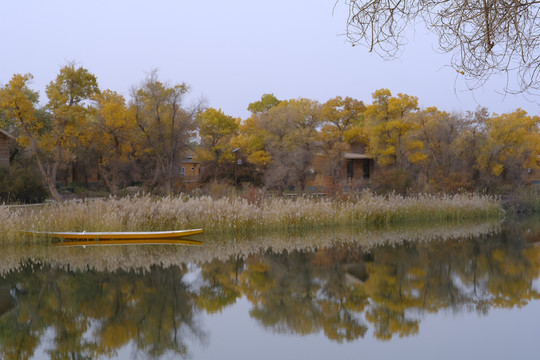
{"x": 448, "y": 291}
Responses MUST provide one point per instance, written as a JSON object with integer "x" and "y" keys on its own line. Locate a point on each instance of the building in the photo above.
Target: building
{"x": 360, "y": 166}
{"x": 353, "y": 172}
{"x": 190, "y": 170}
{"x": 5, "y": 139}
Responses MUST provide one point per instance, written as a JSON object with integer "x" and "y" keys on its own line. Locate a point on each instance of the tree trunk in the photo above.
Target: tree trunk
{"x": 50, "y": 179}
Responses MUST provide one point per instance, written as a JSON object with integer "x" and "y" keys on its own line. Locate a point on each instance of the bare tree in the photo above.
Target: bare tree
{"x": 290, "y": 133}
{"x": 166, "y": 125}
{"x": 485, "y": 37}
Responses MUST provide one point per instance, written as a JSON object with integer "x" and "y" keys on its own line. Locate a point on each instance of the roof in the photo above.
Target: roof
{"x": 189, "y": 159}
{"x": 353, "y": 156}
{"x": 6, "y": 134}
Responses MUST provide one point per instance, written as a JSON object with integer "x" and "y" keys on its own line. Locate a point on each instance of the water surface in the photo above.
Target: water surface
{"x": 446, "y": 291}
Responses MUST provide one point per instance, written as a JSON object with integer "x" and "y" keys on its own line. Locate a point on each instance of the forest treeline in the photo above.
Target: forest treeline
{"x": 297, "y": 143}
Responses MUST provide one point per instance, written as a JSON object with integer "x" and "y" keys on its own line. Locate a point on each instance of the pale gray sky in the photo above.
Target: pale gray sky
{"x": 230, "y": 52}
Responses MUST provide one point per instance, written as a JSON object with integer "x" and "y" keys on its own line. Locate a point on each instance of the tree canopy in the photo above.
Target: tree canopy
{"x": 85, "y": 136}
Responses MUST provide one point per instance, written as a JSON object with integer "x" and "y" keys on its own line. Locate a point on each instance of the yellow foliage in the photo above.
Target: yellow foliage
{"x": 354, "y": 134}
{"x": 16, "y": 101}
{"x": 260, "y": 158}
{"x": 216, "y": 131}
{"x": 390, "y": 128}
{"x": 497, "y": 169}
{"x": 414, "y": 153}
{"x": 341, "y": 116}
{"x": 204, "y": 155}
{"x": 512, "y": 139}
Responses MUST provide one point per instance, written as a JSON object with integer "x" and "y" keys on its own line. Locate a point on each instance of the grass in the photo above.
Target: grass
{"x": 237, "y": 215}
{"x": 112, "y": 258}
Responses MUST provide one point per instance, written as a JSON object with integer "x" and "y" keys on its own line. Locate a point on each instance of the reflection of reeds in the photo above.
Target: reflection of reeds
{"x": 142, "y": 258}
{"x": 237, "y": 215}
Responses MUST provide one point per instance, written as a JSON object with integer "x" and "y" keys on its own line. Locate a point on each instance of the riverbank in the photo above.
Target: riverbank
{"x": 237, "y": 215}
{"x": 522, "y": 201}
{"x": 130, "y": 258}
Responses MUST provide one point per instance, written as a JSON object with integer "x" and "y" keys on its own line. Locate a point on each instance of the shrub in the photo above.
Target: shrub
{"x": 392, "y": 180}
{"x": 21, "y": 185}
{"x": 523, "y": 200}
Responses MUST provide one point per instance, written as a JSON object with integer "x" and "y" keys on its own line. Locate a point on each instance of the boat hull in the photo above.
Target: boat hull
{"x": 120, "y": 235}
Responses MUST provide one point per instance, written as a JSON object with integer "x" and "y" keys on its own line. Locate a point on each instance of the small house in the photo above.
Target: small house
{"x": 355, "y": 170}
{"x": 360, "y": 166}
{"x": 5, "y": 139}
{"x": 190, "y": 169}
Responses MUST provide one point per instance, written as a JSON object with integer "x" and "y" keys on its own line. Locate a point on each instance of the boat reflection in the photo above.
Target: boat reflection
{"x": 187, "y": 242}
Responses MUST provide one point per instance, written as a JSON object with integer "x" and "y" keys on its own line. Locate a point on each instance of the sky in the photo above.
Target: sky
{"x": 230, "y": 53}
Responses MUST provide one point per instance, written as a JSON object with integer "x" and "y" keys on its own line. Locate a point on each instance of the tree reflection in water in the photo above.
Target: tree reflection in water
{"x": 95, "y": 313}
{"x": 333, "y": 289}
{"x": 342, "y": 290}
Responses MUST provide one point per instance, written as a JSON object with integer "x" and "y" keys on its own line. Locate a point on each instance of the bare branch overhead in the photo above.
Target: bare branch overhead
{"x": 484, "y": 37}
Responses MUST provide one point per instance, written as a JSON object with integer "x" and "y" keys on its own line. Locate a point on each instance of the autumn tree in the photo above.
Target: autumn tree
{"x": 485, "y": 38}
{"x": 472, "y": 136}
{"x": 389, "y": 125}
{"x": 343, "y": 125}
{"x": 18, "y": 104}
{"x": 449, "y": 159}
{"x": 251, "y": 141}
{"x": 251, "y": 137}
{"x": 289, "y": 134}
{"x": 344, "y": 115}
{"x": 267, "y": 102}
{"x": 68, "y": 101}
{"x": 167, "y": 126}
{"x": 51, "y": 136}
{"x": 304, "y": 136}
{"x": 216, "y": 131}
{"x": 111, "y": 134}
{"x": 512, "y": 146}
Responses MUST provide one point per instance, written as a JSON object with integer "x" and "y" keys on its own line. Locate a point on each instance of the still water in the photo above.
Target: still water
{"x": 467, "y": 291}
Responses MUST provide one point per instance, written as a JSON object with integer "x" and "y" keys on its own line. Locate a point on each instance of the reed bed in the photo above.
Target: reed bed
{"x": 236, "y": 215}
{"x": 143, "y": 258}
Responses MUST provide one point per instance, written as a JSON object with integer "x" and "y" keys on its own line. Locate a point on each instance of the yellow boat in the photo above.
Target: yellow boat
{"x": 130, "y": 242}
{"x": 135, "y": 235}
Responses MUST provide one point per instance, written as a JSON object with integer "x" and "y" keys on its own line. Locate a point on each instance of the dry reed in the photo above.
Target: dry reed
{"x": 235, "y": 215}
{"x": 144, "y": 257}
